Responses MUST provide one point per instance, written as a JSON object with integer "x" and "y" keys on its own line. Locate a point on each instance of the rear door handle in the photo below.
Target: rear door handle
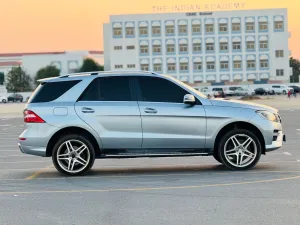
{"x": 150, "y": 110}
{"x": 87, "y": 110}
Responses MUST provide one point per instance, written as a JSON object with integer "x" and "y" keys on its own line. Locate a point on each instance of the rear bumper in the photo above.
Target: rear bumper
{"x": 32, "y": 150}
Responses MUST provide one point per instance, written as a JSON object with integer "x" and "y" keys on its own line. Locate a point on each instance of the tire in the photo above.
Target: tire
{"x": 73, "y": 163}
{"x": 234, "y": 157}
{"x": 216, "y": 156}
{"x": 284, "y": 92}
{"x": 3, "y": 101}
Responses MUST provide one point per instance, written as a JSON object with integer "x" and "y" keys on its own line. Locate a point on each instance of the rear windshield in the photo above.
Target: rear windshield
{"x": 49, "y": 91}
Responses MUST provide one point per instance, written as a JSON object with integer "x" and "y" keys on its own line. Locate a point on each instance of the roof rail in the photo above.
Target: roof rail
{"x": 107, "y": 72}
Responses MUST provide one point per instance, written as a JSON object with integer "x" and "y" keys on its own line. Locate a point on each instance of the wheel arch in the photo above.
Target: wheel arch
{"x": 241, "y": 125}
{"x": 72, "y": 130}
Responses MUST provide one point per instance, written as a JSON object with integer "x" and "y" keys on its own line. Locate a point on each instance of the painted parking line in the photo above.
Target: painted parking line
{"x": 153, "y": 188}
{"x": 287, "y": 153}
{"x": 39, "y": 172}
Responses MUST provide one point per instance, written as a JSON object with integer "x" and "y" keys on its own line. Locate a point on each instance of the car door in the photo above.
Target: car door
{"x": 169, "y": 125}
{"x": 110, "y": 107}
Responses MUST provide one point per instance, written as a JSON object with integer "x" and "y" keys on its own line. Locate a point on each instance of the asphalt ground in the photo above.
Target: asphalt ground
{"x": 177, "y": 191}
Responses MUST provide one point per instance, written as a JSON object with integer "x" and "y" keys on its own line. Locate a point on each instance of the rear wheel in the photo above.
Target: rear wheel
{"x": 3, "y": 100}
{"x": 73, "y": 155}
{"x": 239, "y": 149}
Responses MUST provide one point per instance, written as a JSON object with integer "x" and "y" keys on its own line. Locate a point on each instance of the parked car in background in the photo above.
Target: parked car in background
{"x": 209, "y": 92}
{"x": 244, "y": 91}
{"x": 228, "y": 92}
{"x": 296, "y": 89}
{"x": 233, "y": 88}
{"x": 261, "y": 91}
{"x": 280, "y": 89}
{"x": 15, "y": 98}
{"x": 3, "y": 99}
{"x": 219, "y": 92}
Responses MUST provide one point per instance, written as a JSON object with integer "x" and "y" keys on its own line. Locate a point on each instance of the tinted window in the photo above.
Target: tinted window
{"x": 155, "y": 89}
{"x": 52, "y": 90}
{"x": 108, "y": 89}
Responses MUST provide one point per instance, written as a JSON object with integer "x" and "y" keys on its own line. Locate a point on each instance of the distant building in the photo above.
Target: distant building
{"x": 66, "y": 61}
{"x": 222, "y": 47}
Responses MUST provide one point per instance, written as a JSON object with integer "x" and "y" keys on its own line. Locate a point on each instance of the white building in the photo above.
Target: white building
{"x": 247, "y": 46}
{"x": 66, "y": 62}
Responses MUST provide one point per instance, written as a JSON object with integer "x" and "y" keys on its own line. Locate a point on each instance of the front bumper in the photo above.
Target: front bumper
{"x": 278, "y": 143}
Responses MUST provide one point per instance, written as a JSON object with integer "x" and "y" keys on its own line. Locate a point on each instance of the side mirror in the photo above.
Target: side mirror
{"x": 189, "y": 99}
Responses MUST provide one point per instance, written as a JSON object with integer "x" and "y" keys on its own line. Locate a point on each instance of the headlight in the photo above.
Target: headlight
{"x": 268, "y": 115}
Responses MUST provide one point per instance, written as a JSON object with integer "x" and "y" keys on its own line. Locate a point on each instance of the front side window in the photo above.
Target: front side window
{"x": 251, "y": 64}
{"x": 236, "y": 27}
{"x": 174, "y": 93}
{"x": 196, "y": 28}
{"x": 210, "y": 65}
{"x": 224, "y": 65}
{"x": 183, "y": 48}
{"x": 263, "y": 26}
{"x": 223, "y": 27}
{"x": 108, "y": 89}
{"x": 156, "y": 30}
{"x": 209, "y": 28}
{"x": 182, "y": 29}
{"x": 250, "y": 45}
{"x": 263, "y": 44}
{"x": 170, "y": 29}
{"x": 210, "y": 46}
{"x": 170, "y": 48}
{"x": 250, "y": 27}
{"x": 196, "y": 47}
{"x": 184, "y": 66}
{"x": 143, "y": 31}
{"x": 264, "y": 63}
{"x": 223, "y": 46}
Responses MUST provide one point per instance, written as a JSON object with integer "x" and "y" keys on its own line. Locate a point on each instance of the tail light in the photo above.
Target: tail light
{"x": 31, "y": 117}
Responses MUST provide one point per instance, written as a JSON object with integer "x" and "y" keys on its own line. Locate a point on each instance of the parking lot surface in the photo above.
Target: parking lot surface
{"x": 194, "y": 190}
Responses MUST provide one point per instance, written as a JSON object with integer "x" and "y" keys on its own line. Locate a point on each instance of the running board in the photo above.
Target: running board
{"x": 152, "y": 155}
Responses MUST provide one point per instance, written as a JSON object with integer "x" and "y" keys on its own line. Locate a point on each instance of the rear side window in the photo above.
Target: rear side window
{"x": 108, "y": 89}
{"x": 50, "y": 91}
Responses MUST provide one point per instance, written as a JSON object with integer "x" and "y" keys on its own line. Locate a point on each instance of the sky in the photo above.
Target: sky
{"x": 59, "y": 25}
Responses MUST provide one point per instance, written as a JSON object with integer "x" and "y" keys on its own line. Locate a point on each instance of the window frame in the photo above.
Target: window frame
{"x": 248, "y": 25}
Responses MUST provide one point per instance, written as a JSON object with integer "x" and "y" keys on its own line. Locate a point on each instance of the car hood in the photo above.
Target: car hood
{"x": 241, "y": 104}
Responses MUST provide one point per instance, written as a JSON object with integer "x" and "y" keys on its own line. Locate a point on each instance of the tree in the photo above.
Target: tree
{"x": 295, "y": 64}
{"x": 1, "y": 78}
{"x": 18, "y": 80}
{"x": 89, "y": 65}
{"x": 46, "y": 72}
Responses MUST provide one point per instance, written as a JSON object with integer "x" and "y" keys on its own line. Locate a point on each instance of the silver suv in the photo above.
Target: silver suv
{"x": 77, "y": 118}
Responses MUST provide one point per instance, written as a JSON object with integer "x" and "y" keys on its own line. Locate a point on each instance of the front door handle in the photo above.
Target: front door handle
{"x": 87, "y": 110}
{"x": 150, "y": 110}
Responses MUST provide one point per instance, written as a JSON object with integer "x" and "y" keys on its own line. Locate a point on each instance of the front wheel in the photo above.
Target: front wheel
{"x": 3, "y": 100}
{"x": 284, "y": 92}
{"x": 73, "y": 155}
{"x": 239, "y": 149}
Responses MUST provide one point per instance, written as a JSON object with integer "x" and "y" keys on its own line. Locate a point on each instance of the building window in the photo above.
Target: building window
{"x": 144, "y": 49}
{"x": 209, "y": 28}
{"x": 156, "y": 49}
{"x": 117, "y": 47}
{"x": 196, "y": 47}
{"x": 130, "y": 66}
{"x": 196, "y": 28}
{"x": 156, "y": 30}
{"x": 129, "y": 31}
{"x": 170, "y": 29}
{"x": 264, "y": 63}
{"x": 223, "y": 27}
{"x": 250, "y": 45}
{"x": 157, "y": 67}
{"x": 280, "y": 72}
{"x": 118, "y": 66}
{"x": 224, "y": 65}
{"x": 184, "y": 66}
{"x": 278, "y": 25}
{"x": 279, "y": 53}
{"x": 251, "y": 64}
{"x": 237, "y": 64}
{"x": 210, "y": 65}
{"x": 143, "y": 31}
{"x": 170, "y": 48}
{"x": 145, "y": 67}
{"x": 236, "y": 27}
{"x": 197, "y": 66}
{"x": 130, "y": 47}
{"x": 263, "y": 26}
{"x": 263, "y": 45}
{"x": 223, "y": 46}
{"x": 210, "y": 47}
{"x": 182, "y": 29}
{"x": 117, "y": 31}
{"x": 183, "y": 48}
{"x": 236, "y": 46}
{"x": 171, "y": 67}
{"x": 250, "y": 27}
